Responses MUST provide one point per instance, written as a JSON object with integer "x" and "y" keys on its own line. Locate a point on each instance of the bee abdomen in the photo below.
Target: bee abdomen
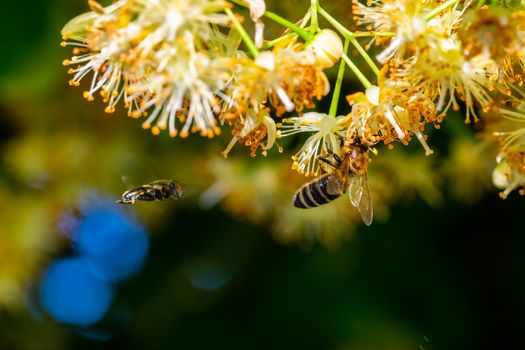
{"x": 147, "y": 193}
{"x": 314, "y": 194}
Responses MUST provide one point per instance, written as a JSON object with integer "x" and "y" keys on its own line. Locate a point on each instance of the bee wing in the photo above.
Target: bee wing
{"x": 359, "y": 194}
{"x": 365, "y": 205}
{"x": 355, "y": 189}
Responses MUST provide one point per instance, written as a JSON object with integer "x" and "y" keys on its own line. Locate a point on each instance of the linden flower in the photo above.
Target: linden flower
{"x": 100, "y": 42}
{"x": 509, "y": 173}
{"x": 177, "y": 92}
{"x": 327, "y": 137}
{"x": 164, "y": 20}
{"x": 288, "y": 78}
{"x": 300, "y": 76}
{"x": 136, "y": 51}
{"x": 515, "y": 139}
{"x": 496, "y": 32}
{"x": 252, "y": 129}
{"x": 389, "y": 113}
{"x": 244, "y": 97}
{"x": 472, "y": 84}
{"x": 441, "y": 68}
{"x": 500, "y": 34}
{"x": 404, "y": 17}
{"x": 272, "y": 80}
{"x": 250, "y": 82}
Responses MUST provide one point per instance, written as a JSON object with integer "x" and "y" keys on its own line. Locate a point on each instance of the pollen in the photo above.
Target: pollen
{"x": 155, "y": 130}
{"x": 88, "y": 96}
{"x": 134, "y": 114}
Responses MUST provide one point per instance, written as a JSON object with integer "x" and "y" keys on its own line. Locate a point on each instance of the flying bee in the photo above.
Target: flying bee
{"x": 155, "y": 191}
{"x": 349, "y": 174}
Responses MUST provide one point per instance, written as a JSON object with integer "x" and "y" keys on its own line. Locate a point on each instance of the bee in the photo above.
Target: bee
{"x": 348, "y": 175}
{"x": 155, "y": 191}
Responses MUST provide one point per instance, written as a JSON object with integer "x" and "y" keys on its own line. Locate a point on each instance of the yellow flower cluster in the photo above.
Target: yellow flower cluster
{"x": 444, "y": 54}
{"x": 170, "y": 61}
{"x": 180, "y": 65}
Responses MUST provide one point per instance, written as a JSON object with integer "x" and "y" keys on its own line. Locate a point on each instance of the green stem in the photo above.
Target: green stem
{"x": 270, "y": 44}
{"x": 314, "y": 24}
{"x": 357, "y": 72}
{"x": 372, "y": 33}
{"x": 242, "y": 32}
{"x": 365, "y": 55}
{"x": 338, "y": 83}
{"x": 305, "y": 19}
{"x": 480, "y": 4}
{"x": 351, "y": 37}
{"x": 435, "y": 12}
{"x": 280, "y": 20}
{"x": 338, "y": 26}
{"x": 286, "y": 23}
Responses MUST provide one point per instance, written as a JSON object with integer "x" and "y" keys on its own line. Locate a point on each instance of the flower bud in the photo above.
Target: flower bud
{"x": 327, "y": 48}
{"x": 501, "y": 174}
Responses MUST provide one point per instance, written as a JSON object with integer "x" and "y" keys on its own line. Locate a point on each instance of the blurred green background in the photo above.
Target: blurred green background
{"x": 444, "y": 275}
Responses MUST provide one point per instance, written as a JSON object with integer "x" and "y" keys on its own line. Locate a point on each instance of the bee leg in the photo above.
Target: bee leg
{"x": 335, "y": 156}
{"x": 337, "y": 159}
{"x": 328, "y": 161}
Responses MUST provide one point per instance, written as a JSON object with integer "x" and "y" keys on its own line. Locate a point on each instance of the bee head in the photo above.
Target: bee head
{"x": 128, "y": 197}
{"x": 178, "y": 190}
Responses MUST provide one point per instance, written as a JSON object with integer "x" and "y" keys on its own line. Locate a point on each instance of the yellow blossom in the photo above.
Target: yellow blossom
{"x": 327, "y": 136}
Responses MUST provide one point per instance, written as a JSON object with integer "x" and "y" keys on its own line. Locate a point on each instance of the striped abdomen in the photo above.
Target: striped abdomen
{"x": 159, "y": 190}
{"x": 315, "y": 193}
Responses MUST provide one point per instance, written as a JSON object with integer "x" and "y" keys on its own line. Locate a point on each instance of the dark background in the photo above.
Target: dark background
{"x": 441, "y": 277}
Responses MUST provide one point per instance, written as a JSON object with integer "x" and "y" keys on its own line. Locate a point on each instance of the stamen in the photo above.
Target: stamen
{"x": 229, "y": 147}
{"x": 288, "y": 104}
{"x": 423, "y": 142}
{"x": 387, "y": 53}
{"x": 390, "y": 117}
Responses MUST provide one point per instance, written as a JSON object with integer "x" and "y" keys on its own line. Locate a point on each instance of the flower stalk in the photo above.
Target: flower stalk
{"x": 347, "y": 34}
{"x": 362, "y": 78}
{"x": 303, "y": 34}
{"x": 338, "y": 83}
{"x": 438, "y": 10}
{"x": 314, "y": 24}
{"x": 242, "y": 32}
